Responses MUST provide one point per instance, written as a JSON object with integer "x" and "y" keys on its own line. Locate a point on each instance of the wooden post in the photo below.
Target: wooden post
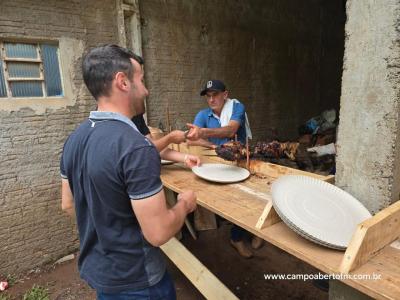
{"x": 371, "y": 236}
{"x": 247, "y": 154}
{"x": 168, "y": 121}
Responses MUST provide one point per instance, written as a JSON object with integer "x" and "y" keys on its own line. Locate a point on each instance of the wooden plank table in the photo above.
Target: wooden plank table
{"x": 243, "y": 203}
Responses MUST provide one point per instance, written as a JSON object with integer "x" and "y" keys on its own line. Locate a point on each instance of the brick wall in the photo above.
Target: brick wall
{"x": 282, "y": 59}
{"x": 33, "y": 230}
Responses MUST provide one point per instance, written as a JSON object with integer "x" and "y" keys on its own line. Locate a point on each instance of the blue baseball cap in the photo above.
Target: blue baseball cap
{"x": 213, "y": 85}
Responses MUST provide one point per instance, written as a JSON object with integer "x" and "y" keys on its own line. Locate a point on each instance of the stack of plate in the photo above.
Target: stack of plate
{"x": 317, "y": 210}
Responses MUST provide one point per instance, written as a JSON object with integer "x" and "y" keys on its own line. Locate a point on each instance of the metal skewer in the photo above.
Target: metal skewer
{"x": 247, "y": 154}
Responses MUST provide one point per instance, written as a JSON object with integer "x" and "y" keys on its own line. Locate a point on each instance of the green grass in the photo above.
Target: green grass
{"x": 36, "y": 293}
{"x": 4, "y": 297}
{"x": 11, "y": 279}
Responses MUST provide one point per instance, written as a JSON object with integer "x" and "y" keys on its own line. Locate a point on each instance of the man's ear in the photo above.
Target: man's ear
{"x": 121, "y": 81}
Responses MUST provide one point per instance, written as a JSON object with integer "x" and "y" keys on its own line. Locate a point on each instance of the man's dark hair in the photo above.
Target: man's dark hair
{"x": 101, "y": 64}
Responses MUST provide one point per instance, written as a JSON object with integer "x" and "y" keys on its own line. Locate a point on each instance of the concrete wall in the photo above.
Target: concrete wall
{"x": 283, "y": 60}
{"x": 368, "y": 162}
{"x": 32, "y": 131}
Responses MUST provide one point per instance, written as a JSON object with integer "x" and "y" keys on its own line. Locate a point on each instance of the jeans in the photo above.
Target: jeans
{"x": 237, "y": 233}
{"x": 163, "y": 290}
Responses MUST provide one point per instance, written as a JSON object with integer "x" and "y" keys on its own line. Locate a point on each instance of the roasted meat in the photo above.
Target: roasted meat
{"x": 232, "y": 151}
{"x": 235, "y": 151}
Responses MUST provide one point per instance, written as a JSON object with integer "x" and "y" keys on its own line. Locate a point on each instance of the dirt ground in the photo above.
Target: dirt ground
{"x": 244, "y": 277}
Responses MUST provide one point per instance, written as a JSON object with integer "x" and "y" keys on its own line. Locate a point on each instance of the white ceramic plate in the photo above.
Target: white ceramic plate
{"x": 221, "y": 173}
{"x": 305, "y": 235}
{"x": 166, "y": 162}
{"x": 317, "y": 210}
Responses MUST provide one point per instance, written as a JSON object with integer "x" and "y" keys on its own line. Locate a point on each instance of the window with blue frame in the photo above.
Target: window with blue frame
{"x": 29, "y": 70}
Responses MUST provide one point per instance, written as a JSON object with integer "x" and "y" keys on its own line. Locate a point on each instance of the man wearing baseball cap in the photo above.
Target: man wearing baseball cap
{"x": 216, "y": 125}
{"x": 222, "y": 120}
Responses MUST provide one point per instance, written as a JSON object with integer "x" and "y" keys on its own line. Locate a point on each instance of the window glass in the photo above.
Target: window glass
{"x": 16, "y": 50}
{"x": 25, "y": 70}
{"x": 51, "y": 70}
{"x": 3, "y": 91}
{"x": 26, "y": 89}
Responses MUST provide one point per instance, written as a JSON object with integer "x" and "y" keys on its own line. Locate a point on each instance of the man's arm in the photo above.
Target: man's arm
{"x": 188, "y": 159}
{"x": 170, "y": 154}
{"x": 227, "y": 131}
{"x": 67, "y": 200}
{"x": 158, "y": 222}
{"x": 202, "y": 142}
{"x": 174, "y": 137}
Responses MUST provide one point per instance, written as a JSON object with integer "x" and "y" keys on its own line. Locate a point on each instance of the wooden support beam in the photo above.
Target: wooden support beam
{"x": 204, "y": 219}
{"x": 371, "y": 236}
{"x": 191, "y": 229}
{"x": 196, "y": 272}
{"x": 268, "y": 217}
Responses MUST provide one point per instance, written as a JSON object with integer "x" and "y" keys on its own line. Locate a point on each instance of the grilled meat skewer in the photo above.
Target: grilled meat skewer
{"x": 235, "y": 151}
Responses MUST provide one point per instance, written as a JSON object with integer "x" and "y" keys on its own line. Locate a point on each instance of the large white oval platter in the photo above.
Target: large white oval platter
{"x": 221, "y": 173}
{"x": 317, "y": 210}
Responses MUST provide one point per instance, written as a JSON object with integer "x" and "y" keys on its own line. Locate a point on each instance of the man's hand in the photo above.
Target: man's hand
{"x": 227, "y": 131}
{"x": 191, "y": 160}
{"x": 158, "y": 222}
{"x": 194, "y": 132}
{"x": 176, "y": 137}
{"x": 189, "y": 199}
